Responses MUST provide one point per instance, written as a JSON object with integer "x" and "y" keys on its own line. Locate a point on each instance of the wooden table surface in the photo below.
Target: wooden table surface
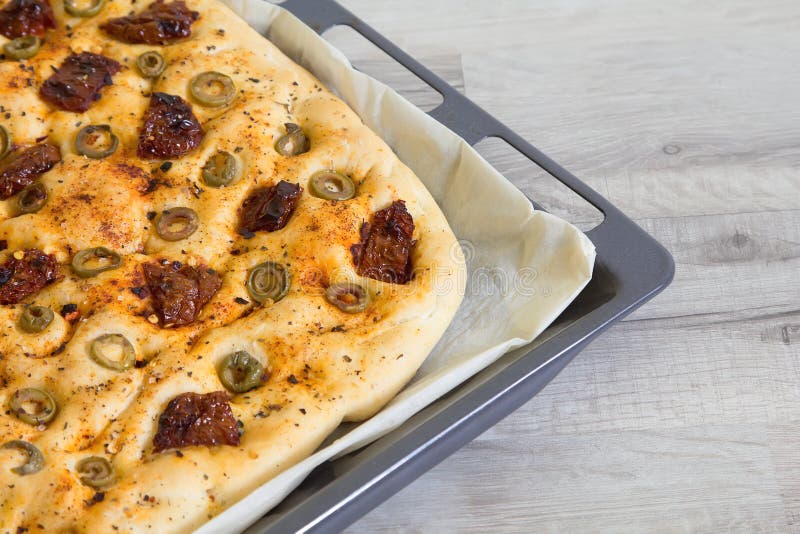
{"x": 686, "y": 114}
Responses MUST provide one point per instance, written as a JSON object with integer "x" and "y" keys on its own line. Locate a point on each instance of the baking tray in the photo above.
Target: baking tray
{"x": 631, "y": 268}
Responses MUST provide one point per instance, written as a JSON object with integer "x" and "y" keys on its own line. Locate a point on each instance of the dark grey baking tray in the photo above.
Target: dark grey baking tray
{"x": 631, "y": 268}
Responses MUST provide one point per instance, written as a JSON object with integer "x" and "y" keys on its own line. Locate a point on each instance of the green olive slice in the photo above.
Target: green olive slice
{"x": 96, "y": 141}
{"x": 22, "y": 47}
{"x": 175, "y": 224}
{"x": 113, "y": 351}
{"x": 32, "y": 198}
{"x": 294, "y": 142}
{"x": 93, "y": 261}
{"x": 33, "y": 406}
{"x": 95, "y": 471}
{"x": 76, "y": 10}
{"x": 212, "y": 89}
{"x": 239, "y": 372}
{"x": 151, "y": 64}
{"x": 331, "y": 185}
{"x": 35, "y": 319}
{"x": 268, "y": 281}
{"x": 5, "y": 142}
{"x": 35, "y": 460}
{"x": 348, "y": 297}
{"x": 220, "y": 169}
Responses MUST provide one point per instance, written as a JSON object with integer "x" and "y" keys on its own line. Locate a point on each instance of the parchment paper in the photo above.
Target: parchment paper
{"x": 524, "y": 266}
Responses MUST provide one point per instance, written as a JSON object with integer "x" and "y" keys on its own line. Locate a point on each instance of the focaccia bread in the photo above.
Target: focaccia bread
{"x": 207, "y": 265}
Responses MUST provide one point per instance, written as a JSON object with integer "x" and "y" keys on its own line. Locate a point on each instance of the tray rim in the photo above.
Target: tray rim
{"x": 639, "y": 267}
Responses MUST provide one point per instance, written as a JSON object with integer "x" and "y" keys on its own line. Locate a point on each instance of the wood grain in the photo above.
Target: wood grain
{"x": 686, "y": 416}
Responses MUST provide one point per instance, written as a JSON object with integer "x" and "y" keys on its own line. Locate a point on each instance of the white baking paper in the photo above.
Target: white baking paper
{"x": 524, "y": 266}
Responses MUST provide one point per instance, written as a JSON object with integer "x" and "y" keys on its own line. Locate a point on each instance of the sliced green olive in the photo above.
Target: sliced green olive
{"x": 268, "y": 281}
{"x": 5, "y": 142}
{"x": 348, "y": 297}
{"x": 32, "y": 198}
{"x": 151, "y": 64}
{"x": 175, "y": 224}
{"x": 294, "y": 142}
{"x": 96, "y": 141}
{"x": 33, "y": 406}
{"x": 220, "y": 169}
{"x": 93, "y": 261}
{"x": 35, "y": 460}
{"x": 95, "y": 471}
{"x": 331, "y": 185}
{"x": 22, "y": 47}
{"x": 212, "y": 89}
{"x": 240, "y": 372}
{"x": 113, "y": 351}
{"x": 76, "y": 10}
{"x": 35, "y": 319}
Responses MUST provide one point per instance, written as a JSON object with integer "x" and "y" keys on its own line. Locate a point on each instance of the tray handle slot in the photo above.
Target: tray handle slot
{"x": 545, "y": 191}
{"x": 371, "y": 60}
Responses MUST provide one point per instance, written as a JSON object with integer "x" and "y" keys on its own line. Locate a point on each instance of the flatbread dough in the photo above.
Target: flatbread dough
{"x": 325, "y": 366}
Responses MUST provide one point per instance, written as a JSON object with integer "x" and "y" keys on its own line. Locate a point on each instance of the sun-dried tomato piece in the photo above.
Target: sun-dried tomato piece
{"x": 76, "y": 85}
{"x": 20, "y": 170}
{"x": 170, "y": 128}
{"x": 180, "y": 291}
{"x": 269, "y": 208}
{"x": 196, "y": 419}
{"x": 386, "y": 244}
{"x": 159, "y": 24}
{"x": 26, "y": 276}
{"x": 19, "y": 18}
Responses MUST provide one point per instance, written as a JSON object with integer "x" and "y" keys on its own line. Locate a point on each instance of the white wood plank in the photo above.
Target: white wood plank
{"x": 784, "y": 442}
{"x": 677, "y": 480}
{"x": 664, "y": 373}
{"x": 742, "y": 263}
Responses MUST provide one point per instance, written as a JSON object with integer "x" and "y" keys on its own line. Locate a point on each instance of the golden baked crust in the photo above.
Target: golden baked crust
{"x": 325, "y": 366}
